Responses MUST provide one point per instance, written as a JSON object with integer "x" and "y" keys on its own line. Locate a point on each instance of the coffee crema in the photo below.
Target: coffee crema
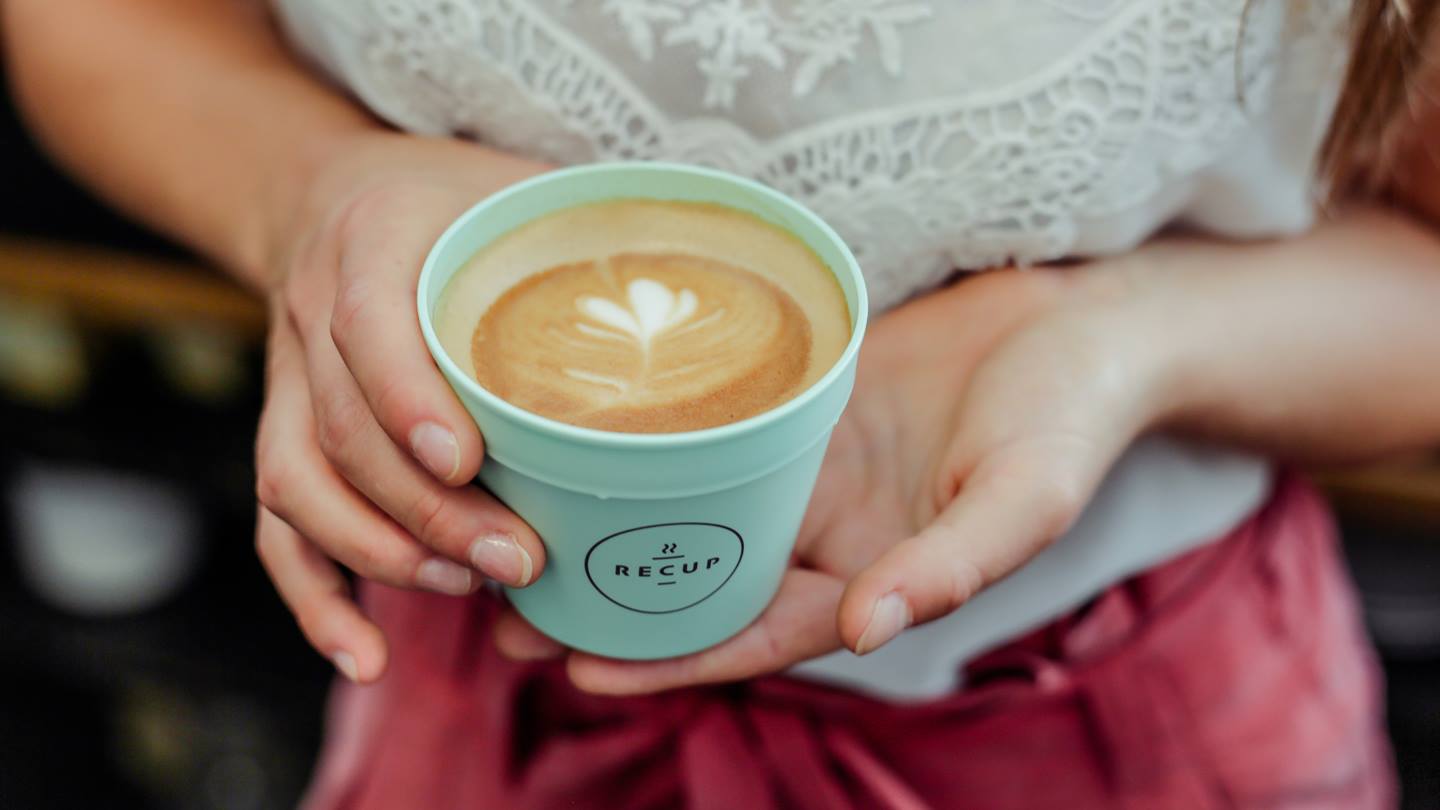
{"x": 643, "y": 316}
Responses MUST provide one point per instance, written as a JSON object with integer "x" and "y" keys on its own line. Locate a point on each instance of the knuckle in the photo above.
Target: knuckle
{"x": 390, "y": 396}
{"x": 352, "y": 301}
{"x": 341, "y": 418}
{"x": 374, "y": 203}
{"x": 377, "y": 560}
{"x": 367, "y": 560}
{"x": 946, "y": 488}
{"x": 379, "y": 207}
{"x": 772, "y": 648}
{"x": 315, "y": 625}
{"x": 271, "y": 483}
{"x": 963, "y": 581}
{"x": 429, "y": 516}
{"x": 1061, "y": 500}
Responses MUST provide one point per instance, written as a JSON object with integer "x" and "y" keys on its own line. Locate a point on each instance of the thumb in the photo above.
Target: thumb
{"x": 1012, "y": 505}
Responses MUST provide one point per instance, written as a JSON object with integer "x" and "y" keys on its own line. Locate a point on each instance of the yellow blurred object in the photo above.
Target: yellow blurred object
{"x": 1405, "y": 490}
{"x": 125, "y": 289}
{"x": 155, "y": 744}
{"x": 42, "y": 359}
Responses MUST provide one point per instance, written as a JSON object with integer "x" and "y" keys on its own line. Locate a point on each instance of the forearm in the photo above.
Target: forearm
{"x": 190, "y": 116}
{"x": 1320, "y": 348}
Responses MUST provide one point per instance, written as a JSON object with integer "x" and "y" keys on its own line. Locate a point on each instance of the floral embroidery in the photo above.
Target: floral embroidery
{"x": 732, "y": 35}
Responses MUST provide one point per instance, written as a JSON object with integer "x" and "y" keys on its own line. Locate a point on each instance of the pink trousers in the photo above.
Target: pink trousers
{"x": 1237, "y": 676}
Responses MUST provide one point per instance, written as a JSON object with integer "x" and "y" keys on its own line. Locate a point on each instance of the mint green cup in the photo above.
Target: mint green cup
{"x": 657, "y": 544}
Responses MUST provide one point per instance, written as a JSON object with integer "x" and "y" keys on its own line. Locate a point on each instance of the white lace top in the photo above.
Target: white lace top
{"x": 934, "y": 135}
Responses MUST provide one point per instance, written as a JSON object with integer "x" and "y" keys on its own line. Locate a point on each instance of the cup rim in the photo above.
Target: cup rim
{"x": 607, "y": 438}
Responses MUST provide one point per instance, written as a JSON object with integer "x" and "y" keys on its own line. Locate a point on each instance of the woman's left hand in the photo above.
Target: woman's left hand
{"x": 983, "y": 418}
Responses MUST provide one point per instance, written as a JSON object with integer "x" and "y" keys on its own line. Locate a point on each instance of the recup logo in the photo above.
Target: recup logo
{"x": 666, "y": 567}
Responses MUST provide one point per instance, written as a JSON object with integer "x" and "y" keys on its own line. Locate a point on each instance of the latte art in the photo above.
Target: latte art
{"x": 641, "y": 316}
{"x": 654, "y": 308}
{"x": 640, "y": 342}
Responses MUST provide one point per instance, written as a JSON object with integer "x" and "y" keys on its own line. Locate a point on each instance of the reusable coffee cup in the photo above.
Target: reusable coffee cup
{"x": 657, "y": 544}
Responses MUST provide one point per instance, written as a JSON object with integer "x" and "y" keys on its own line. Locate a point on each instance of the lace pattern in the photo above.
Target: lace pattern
{"x": 817, "y": 35}
{"x": 1157, "y": 91}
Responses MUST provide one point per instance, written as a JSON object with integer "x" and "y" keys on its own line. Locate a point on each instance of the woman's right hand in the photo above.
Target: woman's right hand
{"x": 365, "y": 456}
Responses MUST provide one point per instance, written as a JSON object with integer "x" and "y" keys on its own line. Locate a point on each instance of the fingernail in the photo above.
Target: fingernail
{"x": 437, "y": 449}
{"x": 443, "y": 576}
{"x": 890, "y": 616}
{"x": 500, "y": 556}
{"x": 345, "y": 662}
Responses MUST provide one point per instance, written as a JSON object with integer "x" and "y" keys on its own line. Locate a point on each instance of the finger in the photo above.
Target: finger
{"x": 520, "y": 641}
{"x": 1009, "y": 509}
{"x": 466, "y": 524}
{"x": 798, "y": 625}
{"x": 296, "y": 483}
{"x": 375, "y": 328}
{"x": 317, "y": 594}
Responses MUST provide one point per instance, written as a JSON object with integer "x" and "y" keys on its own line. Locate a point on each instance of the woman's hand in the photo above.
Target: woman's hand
{"x": 365, "y": 455}
{"x": 1039, "y": 422}
{"x": 982, "y": 420}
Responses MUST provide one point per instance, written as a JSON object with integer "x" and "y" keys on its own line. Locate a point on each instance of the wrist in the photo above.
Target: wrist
{"x": 1138, "y": 321}
{"x": 297, "y": 193}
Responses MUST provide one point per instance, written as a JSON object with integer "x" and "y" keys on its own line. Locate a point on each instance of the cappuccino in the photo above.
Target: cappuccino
{"x": 645, "y": 316}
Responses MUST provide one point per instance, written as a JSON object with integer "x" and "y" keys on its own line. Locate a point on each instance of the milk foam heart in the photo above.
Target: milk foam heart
{"x": 653, "y": 309}
{"x": 643, "y": 316}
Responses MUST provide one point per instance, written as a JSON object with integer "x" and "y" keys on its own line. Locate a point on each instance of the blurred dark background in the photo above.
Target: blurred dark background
{"x": 145, "y": 661}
